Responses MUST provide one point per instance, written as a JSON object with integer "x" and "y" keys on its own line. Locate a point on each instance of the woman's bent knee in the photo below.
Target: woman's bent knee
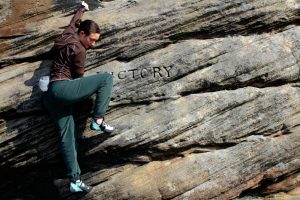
{"x": 107, "y": 77}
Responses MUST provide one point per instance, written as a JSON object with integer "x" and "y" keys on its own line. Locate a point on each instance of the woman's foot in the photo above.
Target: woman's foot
{"x": 102, "y": 126}
{"x": 79, "y": 186}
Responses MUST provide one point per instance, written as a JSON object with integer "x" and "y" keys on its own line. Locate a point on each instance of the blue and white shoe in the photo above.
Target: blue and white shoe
{"x": 101, "y": 127}
{"x": 79, "y": 186}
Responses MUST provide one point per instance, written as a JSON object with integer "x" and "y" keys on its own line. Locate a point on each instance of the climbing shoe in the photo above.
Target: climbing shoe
{"x": 79, "y": 186}
{"x": 101, "y": 127}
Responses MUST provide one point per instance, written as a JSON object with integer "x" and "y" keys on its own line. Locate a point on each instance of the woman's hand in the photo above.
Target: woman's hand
{"x": 86, "y": 6}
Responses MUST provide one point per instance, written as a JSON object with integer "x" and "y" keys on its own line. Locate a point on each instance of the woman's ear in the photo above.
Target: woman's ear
{"x": 81, "y": 33}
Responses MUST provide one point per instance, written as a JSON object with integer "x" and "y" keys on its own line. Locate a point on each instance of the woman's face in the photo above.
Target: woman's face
{"x": 88, "y": 40}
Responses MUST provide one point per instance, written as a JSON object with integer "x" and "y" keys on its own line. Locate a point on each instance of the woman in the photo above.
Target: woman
{"x": 68, "y": 86}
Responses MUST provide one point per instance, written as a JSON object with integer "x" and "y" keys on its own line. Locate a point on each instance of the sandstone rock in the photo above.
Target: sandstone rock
{"x": 194, "y": 177}
{"x": 205, "y": 99}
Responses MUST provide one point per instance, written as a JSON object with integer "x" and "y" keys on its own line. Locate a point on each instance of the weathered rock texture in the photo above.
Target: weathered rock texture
{"x": 206, "y": 100}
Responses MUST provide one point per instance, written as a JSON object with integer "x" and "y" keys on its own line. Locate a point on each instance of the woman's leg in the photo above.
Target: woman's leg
{"x": 63, "y": 118}
{"x": 73, "y": 91}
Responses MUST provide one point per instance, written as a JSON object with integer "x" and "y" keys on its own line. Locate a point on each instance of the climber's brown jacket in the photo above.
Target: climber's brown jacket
{"x": 68, "y": 53}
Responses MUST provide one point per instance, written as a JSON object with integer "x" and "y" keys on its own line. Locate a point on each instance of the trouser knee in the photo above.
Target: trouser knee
{"x": 105, "y": 80}
{"x": 108, "y": 77}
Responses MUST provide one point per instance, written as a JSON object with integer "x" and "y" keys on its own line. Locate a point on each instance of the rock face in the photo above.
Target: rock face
{"x": 206, "y": 100}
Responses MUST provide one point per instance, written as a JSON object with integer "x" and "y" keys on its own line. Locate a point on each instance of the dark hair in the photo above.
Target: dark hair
{"x": 88, "y": 27}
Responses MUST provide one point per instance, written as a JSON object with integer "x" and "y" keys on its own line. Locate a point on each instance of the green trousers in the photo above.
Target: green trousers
{"x": 60, "y": 99}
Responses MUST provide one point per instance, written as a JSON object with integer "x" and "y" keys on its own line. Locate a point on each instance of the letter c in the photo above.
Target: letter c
{"x": 119, "y": 75}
